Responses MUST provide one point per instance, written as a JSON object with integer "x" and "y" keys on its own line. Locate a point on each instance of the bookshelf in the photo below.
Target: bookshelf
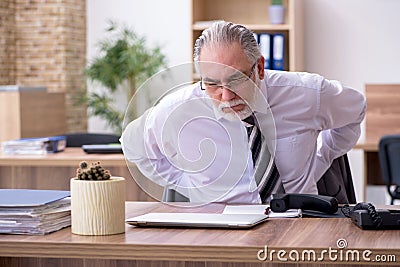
{"x": 254, "y": 15}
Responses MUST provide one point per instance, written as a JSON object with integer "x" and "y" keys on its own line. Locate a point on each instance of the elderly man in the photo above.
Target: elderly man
{"x": 201, "y": 139}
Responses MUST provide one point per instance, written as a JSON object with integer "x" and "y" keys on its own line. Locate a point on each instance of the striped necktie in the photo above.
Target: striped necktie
{"x": 255, "y": 143}
{"x": 254, "y": 135}
{"x": 265, "y": 174}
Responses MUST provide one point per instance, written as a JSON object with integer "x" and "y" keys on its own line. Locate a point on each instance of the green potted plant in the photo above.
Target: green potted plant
{"x": 276, "y": 12}
{"x": 124, "y": 62}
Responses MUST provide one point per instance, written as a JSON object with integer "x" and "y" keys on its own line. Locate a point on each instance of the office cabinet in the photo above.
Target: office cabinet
{"x": 31, "y": 112}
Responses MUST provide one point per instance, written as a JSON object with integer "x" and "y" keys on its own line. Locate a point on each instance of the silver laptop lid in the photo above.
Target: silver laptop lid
{"x": 202, "y": 220}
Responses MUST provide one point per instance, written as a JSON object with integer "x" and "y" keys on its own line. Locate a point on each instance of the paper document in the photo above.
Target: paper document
{"x": 260, "y": 209}
{"x": 36, "y": 212}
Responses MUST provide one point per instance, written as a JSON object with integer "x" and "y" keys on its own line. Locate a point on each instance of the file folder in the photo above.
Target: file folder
{"x": 34, "y": 212}
{"x": 278, "y": 43}
{"x": 18, "y": 198}
{"x": 265, "y": 48}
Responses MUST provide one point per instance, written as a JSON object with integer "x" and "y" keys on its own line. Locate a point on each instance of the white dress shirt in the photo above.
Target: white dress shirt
{"x": 182, "y": 142}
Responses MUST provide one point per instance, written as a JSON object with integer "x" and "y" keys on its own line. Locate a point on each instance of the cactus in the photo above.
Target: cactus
{"x": 94, "y": 171}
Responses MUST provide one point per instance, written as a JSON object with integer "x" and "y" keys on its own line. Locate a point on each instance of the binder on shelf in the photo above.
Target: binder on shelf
{"x": 265, "y": 48}
{"x": 278, "y": 44}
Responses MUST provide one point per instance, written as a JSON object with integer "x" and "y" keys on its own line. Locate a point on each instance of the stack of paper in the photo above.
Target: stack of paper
{"x": 36, "y": 212}
{"x": 34, "y": 146}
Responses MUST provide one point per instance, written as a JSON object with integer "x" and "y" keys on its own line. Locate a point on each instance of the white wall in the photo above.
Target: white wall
{"x": 163, "y": 23}
{"x": 354, "y": 41}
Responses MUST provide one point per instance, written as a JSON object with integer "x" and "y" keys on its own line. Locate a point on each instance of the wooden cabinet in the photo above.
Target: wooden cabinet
{"x": 254, "y": 15}
{"x": 30, "y": 112}
{"x": 381, "y": 118}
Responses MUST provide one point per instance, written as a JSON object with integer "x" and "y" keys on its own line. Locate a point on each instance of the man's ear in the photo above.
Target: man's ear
{"x": 260, "y": 67}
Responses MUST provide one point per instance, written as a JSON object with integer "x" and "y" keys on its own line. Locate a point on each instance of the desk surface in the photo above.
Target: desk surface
{"x": 215, "y": 245}
{"x": 68, "y": 157}
{"x": 367, "y": 146}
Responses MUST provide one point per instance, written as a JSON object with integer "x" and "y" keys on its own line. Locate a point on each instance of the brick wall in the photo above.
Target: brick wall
{"x": 46, "y": 46}
{"x": 7, "y": 42}
{"x": 75, "y": 43}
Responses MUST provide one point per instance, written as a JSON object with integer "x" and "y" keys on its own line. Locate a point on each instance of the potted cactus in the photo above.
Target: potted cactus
{"x": 97, "y": 201}
{"x": 276, "y": 12}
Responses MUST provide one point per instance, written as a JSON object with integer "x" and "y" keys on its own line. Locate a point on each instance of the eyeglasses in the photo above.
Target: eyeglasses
{"x": 233, "y": 85}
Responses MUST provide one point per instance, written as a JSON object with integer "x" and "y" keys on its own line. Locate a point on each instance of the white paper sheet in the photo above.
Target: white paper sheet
{"x": 257, "y": 209}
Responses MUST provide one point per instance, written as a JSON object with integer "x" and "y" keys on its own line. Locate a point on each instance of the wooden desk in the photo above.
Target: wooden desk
{"x": 203, "y": 247}
{"x": 372, "y": 169}
{"x": 54, "y": 171}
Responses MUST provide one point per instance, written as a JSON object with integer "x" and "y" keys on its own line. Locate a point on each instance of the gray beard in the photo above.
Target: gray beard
{"x": 239, "y": 115}
{"x": 233, "y": 116}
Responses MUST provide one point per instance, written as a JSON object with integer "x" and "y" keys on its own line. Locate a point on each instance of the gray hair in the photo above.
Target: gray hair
{"x": 226, "y": 33}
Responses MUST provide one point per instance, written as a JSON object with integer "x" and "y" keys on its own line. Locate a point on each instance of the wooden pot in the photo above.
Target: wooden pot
{"x": 98, "y": 207}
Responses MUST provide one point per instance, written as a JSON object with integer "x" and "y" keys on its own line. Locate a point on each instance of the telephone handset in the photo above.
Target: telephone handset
{"x": 283, "y": 202}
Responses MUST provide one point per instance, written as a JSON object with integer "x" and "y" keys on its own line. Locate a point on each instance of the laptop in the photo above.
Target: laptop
{"x": 102, "y": 149}
{"x": 198, "y": 220}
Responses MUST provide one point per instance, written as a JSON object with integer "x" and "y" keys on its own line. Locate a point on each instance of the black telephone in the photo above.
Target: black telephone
{"x": 283, "y": 202}
{"x": 367, "y": 217}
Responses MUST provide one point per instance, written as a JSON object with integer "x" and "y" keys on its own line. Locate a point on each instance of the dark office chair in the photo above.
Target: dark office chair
{"x": 337, "y": 181}
{"x": 171, "y": 195}
{"x": 389, "y": 159}
{"x": 80, "y": 139}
